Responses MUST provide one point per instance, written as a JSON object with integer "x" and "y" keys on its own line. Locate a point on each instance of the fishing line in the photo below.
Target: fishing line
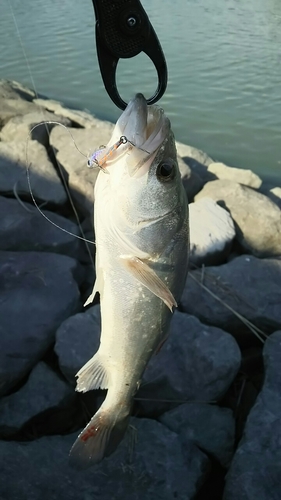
{"x": 29, "y": 182}
{"x": 58, "y": 164}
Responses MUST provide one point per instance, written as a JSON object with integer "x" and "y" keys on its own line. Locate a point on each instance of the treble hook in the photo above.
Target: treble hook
{"x": 123, "y": 30}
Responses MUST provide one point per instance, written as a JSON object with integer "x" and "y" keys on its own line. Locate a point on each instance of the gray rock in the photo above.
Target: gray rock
{"x": 197, "y": 161}
{"x": 38, "y": 291}
{"x": 276, "y": 191}
{"x": 191, "y": 181}
{"x": 22, "y": 227}
{"x": 197, "y": 363}
{"x": 243, "y": 176}
{"x": 199, "y": 156}
{"x": 45, "y": 182}
{"x": 18, "y": 128}
{"x": 275, "y": 195}
{"x": 256, "y": 468}
{"x": 273, "y": 192}
{"x": 15, "y": 99}
{"x": 77, "y": 340}
{"x": 10, "y": 89}
{"x": 78, "y": 117}
{"x": 257, "y": 219}
{"x": 154, "y": 469}
{"x": 43, "y": 391}
{"x": 81, "y": 179}
{"x": 211, "y": 232}
{"x": 211, "y": 428}
{"x": 248, "y": 285}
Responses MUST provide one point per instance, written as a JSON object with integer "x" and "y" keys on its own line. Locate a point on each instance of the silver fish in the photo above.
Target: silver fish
{"x": 142, "y": 243}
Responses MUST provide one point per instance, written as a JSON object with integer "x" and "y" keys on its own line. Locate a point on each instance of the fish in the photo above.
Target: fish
{"x": 142, "y": 246}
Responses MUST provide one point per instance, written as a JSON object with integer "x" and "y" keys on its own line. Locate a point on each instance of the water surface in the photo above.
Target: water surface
{"x": 223, "y": 56}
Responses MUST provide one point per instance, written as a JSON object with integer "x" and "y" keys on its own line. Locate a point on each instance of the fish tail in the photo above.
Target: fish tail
{"x": 93, "y": 375}
{"x": 99, "y": 439}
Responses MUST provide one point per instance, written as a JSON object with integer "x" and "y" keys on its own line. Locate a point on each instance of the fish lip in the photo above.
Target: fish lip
{"x": 133, "y": 121}
{"x": 144, "y": 126}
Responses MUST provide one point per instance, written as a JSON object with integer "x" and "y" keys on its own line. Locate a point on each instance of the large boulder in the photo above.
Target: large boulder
{"x": 257, "y": 218}
{"x": 22, "y": 227}
{"x": 195, "y": 158}
{"x": 246, "y": 285}
{"x": 256, "y": 468}
{"x": 10, "y": 89}
{"x": 274, "y": 193}
{"x": 211, "y": 428}
{"x": 15, "y": 99}
{"x": 191, "y": 181}
{"x": 45, "y": 182}
{"x": 243, "y": 176}
{"x": 43, "y": 391}
{"x": 38, "y": 291}
{"x": 78, "y": 117}
{"x": 152, "y": 466}
{"x": 211, "y": 232}
{"x": 19, "y": 128}
{"x": 197, "y": 363}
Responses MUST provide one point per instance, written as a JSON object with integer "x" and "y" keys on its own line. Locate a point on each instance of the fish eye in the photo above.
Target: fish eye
{"x": 166, "y": 170}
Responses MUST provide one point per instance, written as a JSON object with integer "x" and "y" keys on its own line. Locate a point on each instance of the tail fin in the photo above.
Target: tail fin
{"x": 92, "y": 375}
{"x": 99, "y": 439}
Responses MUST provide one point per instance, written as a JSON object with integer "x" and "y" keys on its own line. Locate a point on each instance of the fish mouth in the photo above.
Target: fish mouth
{"x": 146, "y": 127}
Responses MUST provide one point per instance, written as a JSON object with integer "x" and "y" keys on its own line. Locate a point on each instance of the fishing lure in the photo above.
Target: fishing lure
{"x": 102, "y": 155}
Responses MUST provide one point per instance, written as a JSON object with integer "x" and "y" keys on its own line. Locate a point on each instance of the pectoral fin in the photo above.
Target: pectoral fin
{"x": 143, "y": 273}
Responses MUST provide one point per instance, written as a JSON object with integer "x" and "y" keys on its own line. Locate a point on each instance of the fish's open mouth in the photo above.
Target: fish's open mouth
{"x": 144, "y": 126}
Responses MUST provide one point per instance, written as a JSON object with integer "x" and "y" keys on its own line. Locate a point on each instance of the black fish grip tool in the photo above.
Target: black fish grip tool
{"x": 123, "y": 30}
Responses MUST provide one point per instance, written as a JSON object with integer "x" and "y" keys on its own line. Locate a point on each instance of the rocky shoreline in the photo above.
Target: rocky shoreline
{"x": 206, "y": 422}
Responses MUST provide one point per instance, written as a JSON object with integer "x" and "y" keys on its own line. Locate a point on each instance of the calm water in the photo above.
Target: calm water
{"x": 224, "y": 60}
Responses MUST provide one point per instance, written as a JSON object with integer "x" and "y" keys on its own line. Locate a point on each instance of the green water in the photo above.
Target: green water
{"x": 224, "y": 61}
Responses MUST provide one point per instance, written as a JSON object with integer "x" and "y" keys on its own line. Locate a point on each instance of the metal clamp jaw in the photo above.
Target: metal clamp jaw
{"x": 123, "y": 30}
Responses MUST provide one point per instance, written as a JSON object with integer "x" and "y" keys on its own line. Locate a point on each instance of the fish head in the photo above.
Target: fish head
{"x": 145, "y": 182}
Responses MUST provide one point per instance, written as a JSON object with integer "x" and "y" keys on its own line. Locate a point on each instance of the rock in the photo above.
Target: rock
{"x": 18, "y": 128}
{"x": 243, "y": 176}
{"x": 154, "y": 469}
{"x": 10, "y": 89}
{"x": 256, "y": 468}
{"x": 186, "y": 151}
{"x": 276, "y": 191}
{"x": 15, "y": 99}
{"x": 22, "y": 227}
{"x": 197, "y": 160}
{"x": 43, "y": 391}
{"x": 191, "y": 181}
{"x": 77, "y": 116}
{"x": 81, "y": 179}
{"x": 247, "y": 285}
{"x": 77, "y": 340}
{"x": 45, "y": 182}
{"x": 275, "y": 195}
{"x": 210, "y": 428}
{"x": 257, "y": 219}
{"x": 38, "y": 291}
{"x": 197, "y": 363}
{"x": 211, "y": 232}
